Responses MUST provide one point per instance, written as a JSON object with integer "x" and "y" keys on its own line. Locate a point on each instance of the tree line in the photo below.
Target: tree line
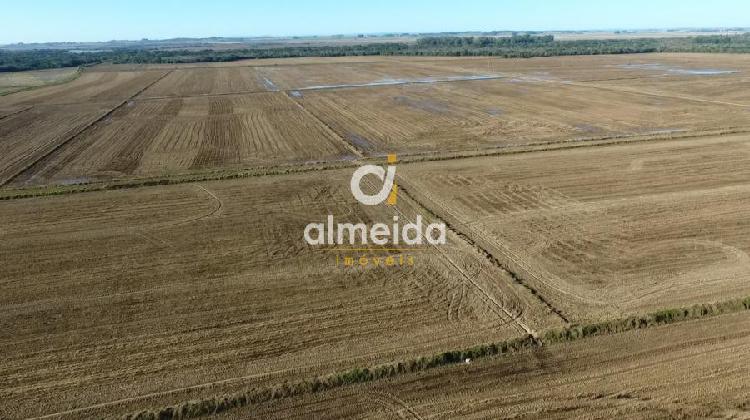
{"x": 516, "y": 46}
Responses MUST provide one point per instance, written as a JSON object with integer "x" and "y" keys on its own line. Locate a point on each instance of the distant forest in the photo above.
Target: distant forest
{"x": 517, "y": 46}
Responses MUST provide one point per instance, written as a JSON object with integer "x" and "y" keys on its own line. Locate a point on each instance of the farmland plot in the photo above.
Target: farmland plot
{"x": 617, "y": 68}
{"x": 388, "y": 71}
{"x": 88, "y": 88}
{"x": 471, "y": 115}
{"x": 15, "y": 81}
{"x": 27, "y": 134}
{"x": 207, "y": 81}
{"x": 607, "y": 231}
{"x": 165, "y": 136}
{"x": 725, "y": 89}
{"x": 138, "y": 298}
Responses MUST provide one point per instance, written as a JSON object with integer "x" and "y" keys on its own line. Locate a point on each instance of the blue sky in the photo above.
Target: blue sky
{"x": 88, "y": 20}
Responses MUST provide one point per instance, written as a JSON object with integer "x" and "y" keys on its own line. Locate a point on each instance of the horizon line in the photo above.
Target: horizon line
{"x": 381, "y": 34}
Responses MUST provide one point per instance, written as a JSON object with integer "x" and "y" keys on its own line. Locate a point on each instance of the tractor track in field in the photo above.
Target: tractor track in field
{"x": 504, "y": 313}
{"x": 489, "y": 256}
{"x": 394, "y": 404}
{"x": 348, "y": 145}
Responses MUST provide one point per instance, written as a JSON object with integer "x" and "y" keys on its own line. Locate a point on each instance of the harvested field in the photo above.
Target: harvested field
{"x": 342, "y": 74}
{"x": 208, "y": 81}
{"x": 606, "y": 231}
{"x": 161, "y": 259}
{"x": 472, "y": 115}
{"x": 150, "y": 291}
{"x": 661, "y": 373}
{"x": 27, "y": 134}
{"x": 23, "y": 80}
{"x": 199, "y": 117}
{"x": 165, "y": 136}
{"x": 606, "y": 67}
{"x": 723, "y": 89}
{"x": 89, "y": 87}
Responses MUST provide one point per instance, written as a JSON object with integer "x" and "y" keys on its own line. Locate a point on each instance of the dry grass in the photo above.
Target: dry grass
{"x": 206, "y": 81}
{"x": 603, "y": 231}
{"x": 207, "y": 116}
{"x": 151, "y": 291}
{"x": 154, "y": 286}
{"x": 480, "y": 114}
{"x": 23, "y": 80}
{"x": 90, "y": 87}
{"x": 32, "y": 132}
{"x": 167, "y": 136}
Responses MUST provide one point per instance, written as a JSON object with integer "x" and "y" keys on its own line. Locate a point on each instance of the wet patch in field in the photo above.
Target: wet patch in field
{"x": 678, "y": 70}
{"x": 427, "y": 105}
{"x": 392, "y": 82}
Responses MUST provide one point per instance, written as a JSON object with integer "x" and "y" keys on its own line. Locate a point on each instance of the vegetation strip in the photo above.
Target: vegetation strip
{"x": 152, "y": 182}
{"x": 216, "y": 405}
{"x": 46, "y": 191}
{"x": 516, "y": 46}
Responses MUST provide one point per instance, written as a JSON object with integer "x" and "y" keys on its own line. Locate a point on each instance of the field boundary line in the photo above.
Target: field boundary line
{"x": 14, "y": 113}
{"x": 551, "y": 339}
{"x": 513, "y": 259}
{"x": 30, "y": 166}
{"x": 205, "y": 95}
{"x": 348, "y": 145}
{"x": 512, "y": 318}
{"x": 488, "y": 255}
{"x": 405, "y": 159}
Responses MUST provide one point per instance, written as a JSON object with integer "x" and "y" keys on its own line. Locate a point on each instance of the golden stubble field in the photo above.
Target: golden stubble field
{"x": 119, "y": 122}
{"x": 607, "y": 231}
{"x": 577, "y": 190}
{"x": 138, "y": 298}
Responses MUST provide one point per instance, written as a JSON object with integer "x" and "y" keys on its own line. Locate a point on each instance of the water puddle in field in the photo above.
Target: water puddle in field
{"x": 495, "y": 112}
{"x": 270, "y": 85}
{"x": 677, "y": 70}
{"x": 394, "y": 82}
{"x": 657, "y": 131}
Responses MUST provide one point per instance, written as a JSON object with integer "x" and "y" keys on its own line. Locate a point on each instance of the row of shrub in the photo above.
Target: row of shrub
{"x": 663, "y": 317}
{"x": 211, "y": 406}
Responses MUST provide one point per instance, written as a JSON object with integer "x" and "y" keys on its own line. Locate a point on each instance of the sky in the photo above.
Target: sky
{"x": 102, "y": 20}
